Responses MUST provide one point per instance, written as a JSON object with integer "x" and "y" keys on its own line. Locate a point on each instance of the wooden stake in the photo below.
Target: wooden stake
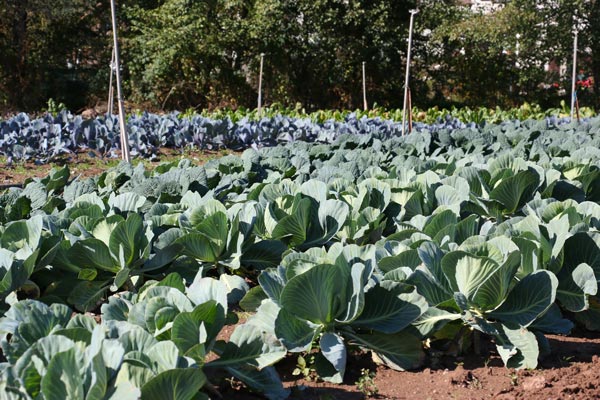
{"x": 123, "y": 129}
{"x": 111, "y": 94}
{"x": 260, "y": 74}
{"x": 364, "y": 82}
{"x": 410, "y": 116}
{"x": 410, "y": 31}
{"x": 577, "y": 107}
{"x": 574, "y": 77}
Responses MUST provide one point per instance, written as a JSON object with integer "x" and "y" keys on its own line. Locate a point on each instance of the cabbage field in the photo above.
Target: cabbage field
{"x": 49, "y": 137}
{"x": 333, "y": 236}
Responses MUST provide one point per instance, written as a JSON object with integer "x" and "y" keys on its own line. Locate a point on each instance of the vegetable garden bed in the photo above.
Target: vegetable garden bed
{"x": 47, "y": 138}
{"x": 410, "y": 249}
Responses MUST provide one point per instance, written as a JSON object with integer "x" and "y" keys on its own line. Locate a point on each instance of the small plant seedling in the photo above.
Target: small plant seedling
{"x": 566, "y": 360}
{"x": 514, "y": 379}
{"x": 304, "y": 368}
{"x": 366, "y": 383}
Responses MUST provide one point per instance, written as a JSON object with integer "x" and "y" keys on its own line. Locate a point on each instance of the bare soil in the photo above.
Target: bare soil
{"x": 88, "y": 164}
{"x": 571, "y": 371}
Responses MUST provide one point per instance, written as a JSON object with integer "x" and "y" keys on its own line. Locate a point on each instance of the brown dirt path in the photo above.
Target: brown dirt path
{"x": 572, "y": 371}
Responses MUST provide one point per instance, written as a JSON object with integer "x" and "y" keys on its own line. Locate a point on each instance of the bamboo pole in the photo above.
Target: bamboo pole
{"x": 111, "y": 94}
{"x": 574, "y": 77}
{"x": 364, "y": 87}
{"x": 410, "y": 30}
{"x": 410, "y": 115}
{"x": 260, "y": 75}
{"x": 123, "y": 129}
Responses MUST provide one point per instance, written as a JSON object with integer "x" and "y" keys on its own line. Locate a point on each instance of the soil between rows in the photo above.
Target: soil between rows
{"x": 571, "y": 371}
{"x": 84, "y": 164}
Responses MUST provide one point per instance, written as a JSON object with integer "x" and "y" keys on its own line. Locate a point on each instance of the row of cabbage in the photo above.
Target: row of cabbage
{"x": 363, "y": 243}
{"x": 49, "y": 137}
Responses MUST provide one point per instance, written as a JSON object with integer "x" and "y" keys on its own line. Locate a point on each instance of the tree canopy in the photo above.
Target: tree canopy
{"x": 179, "y": 54}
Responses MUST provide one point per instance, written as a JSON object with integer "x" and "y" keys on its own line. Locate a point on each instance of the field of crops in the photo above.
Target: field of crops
{"x": 344, "y": 236}
{"x": 52, "y": 136}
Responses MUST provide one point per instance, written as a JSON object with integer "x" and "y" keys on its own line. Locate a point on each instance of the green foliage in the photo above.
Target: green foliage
{"x": 478, "y": 115}
{"x": 205, "y": 54}
{"x": 369, "y": 243}
{"x": 304, "y": 368}
{"x": 499, "y": 58}
{"x": 52, "y": 51}
{"x": 54, "y": 108}
{"x": 153, "y": 343}
{"x": 366, "y": 383}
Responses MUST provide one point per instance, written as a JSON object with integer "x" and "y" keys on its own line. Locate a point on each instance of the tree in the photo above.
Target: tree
{"x": 315, "y": 49}
{"x": 205, "y": 53}
{"x": 185, "y": 53}
{"x": 594, "y": 34}
{"x": 51, "y": 49}
{"x": 475, "y": 55}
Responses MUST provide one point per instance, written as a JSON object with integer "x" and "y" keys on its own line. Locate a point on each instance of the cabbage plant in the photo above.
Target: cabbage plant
{"x": 328, "y": 300}
{"x": 153, "y": 344}
{"x": 478, "y": 284}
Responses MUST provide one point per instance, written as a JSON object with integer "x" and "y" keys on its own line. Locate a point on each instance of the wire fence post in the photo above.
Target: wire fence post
{"x": 260, "y": 74}
{"x": 123, "y": 129}
{"x": 410, "y": 30}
